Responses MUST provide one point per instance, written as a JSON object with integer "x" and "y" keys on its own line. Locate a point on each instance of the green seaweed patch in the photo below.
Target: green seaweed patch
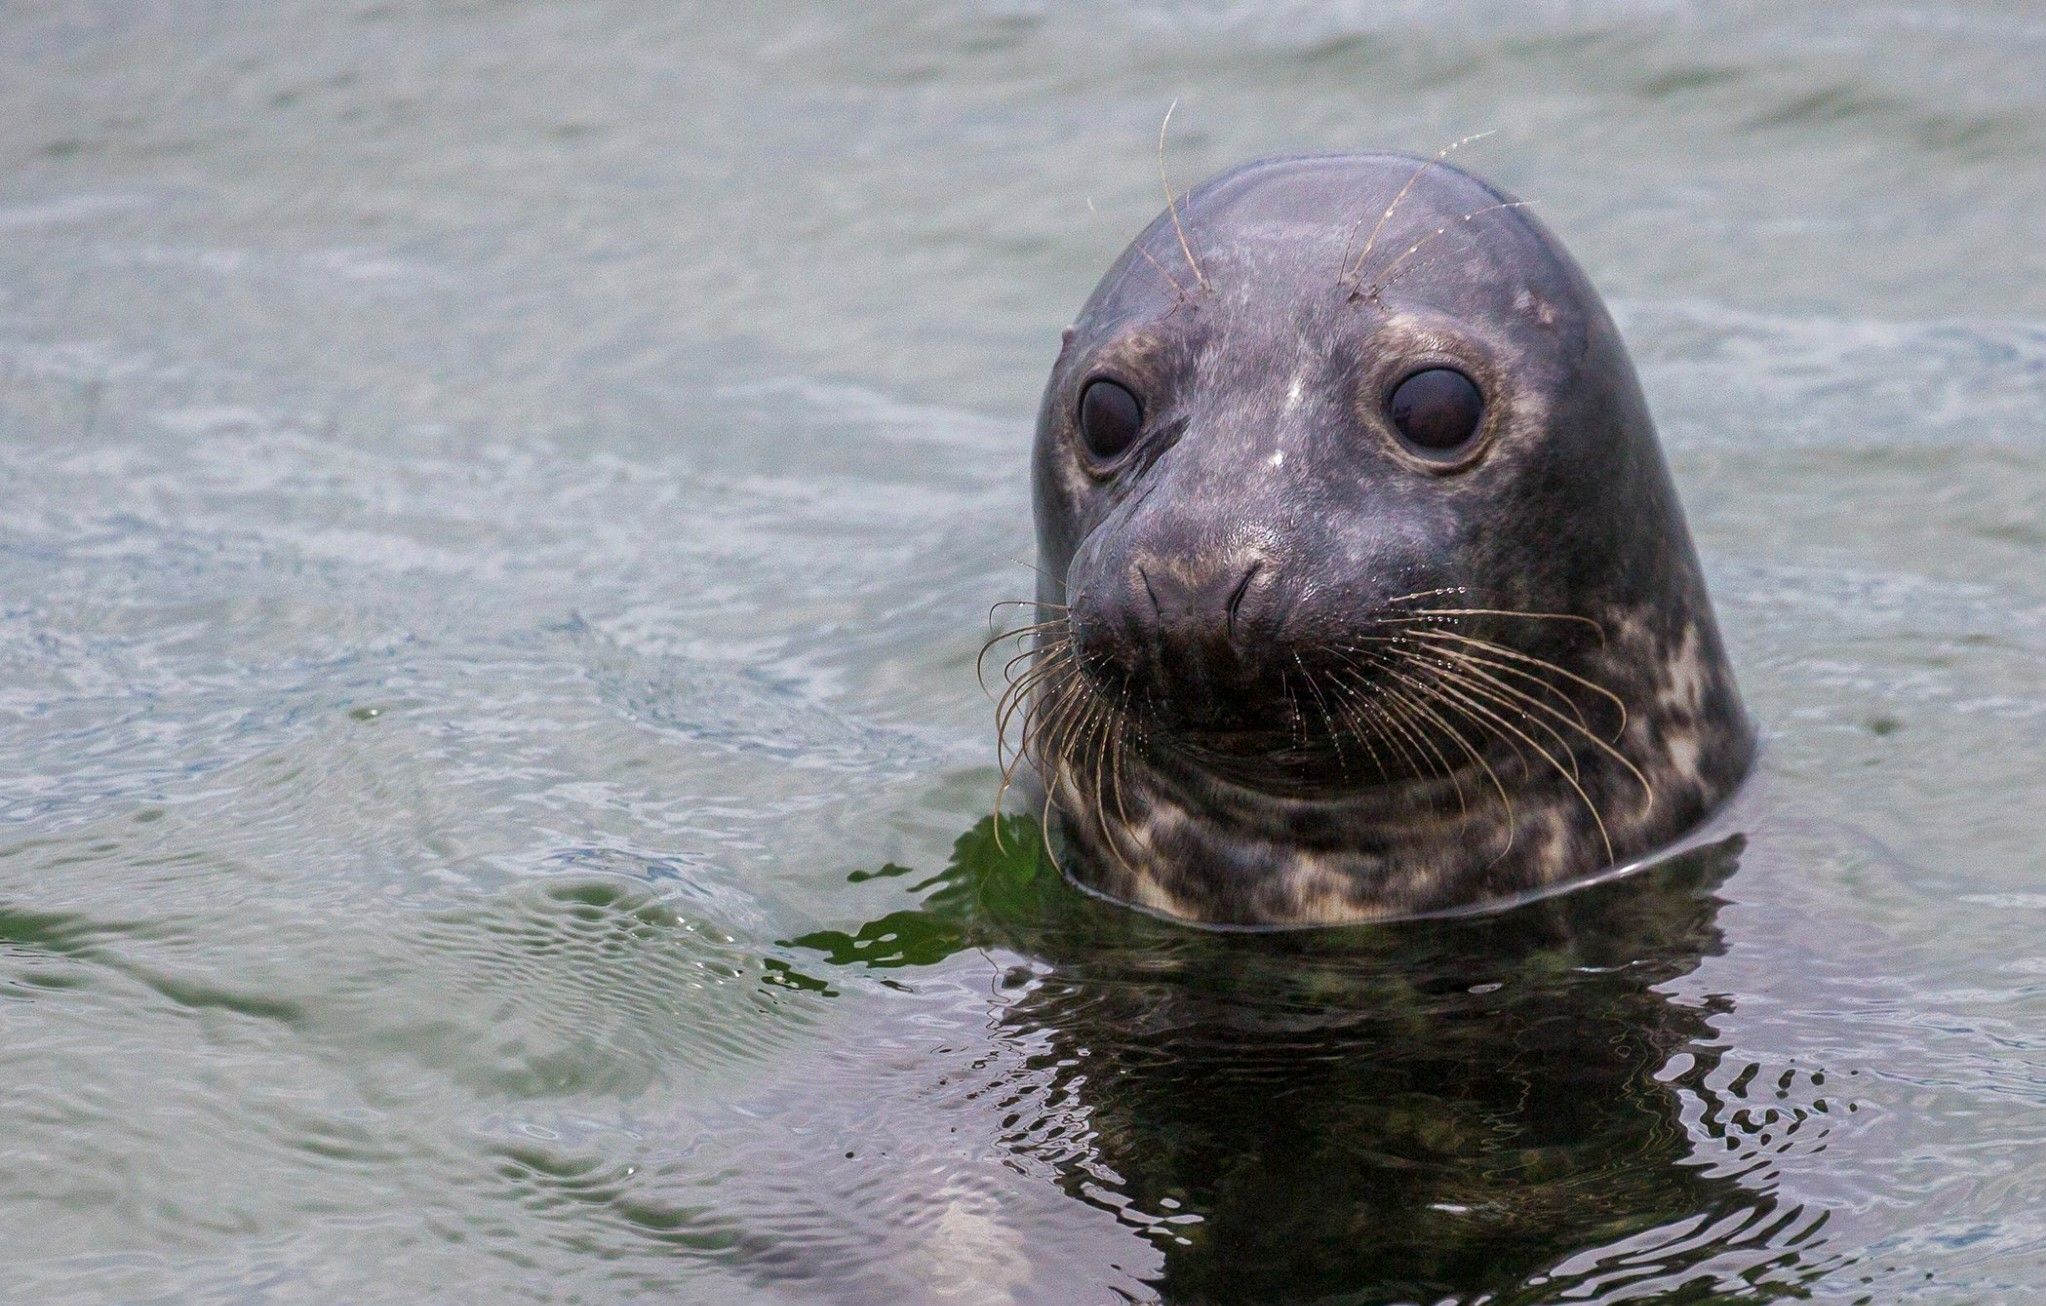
{"x": 781, "y": 975}
{"x": 999, "y": 888}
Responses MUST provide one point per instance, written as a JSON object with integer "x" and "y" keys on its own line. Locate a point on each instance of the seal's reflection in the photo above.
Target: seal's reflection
{"x": 1399, "y": 1112}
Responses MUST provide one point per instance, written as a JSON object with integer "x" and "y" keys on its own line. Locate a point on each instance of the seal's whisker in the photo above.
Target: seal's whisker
{"x": 1035, "y": 719}
{"x": 1512, "y": 701}
{"x": 1469, "y": 701}
{"x": 1041, "y": 605}
{"x": 1420, "y": 762}
{"x": 1054, "y": 687}
{"x": 1178, "y": 289}
{"x": 1366, "y": 710}
{"x": 1048, "y": 671}
{"x": 1386, "y": 702}
{"x": 1081, "y": 755}
{"x": 1515, "y": 655}
{"x": 1029, "y": 708}
{"x": 1050, "y": 729}
{"x": 1345, "y": 272}
{"x": 1354, "y": 716}
{"x": 1036, "y": 732}
{"x": 1054, "y": 645}
{"x": 1463, "y": 654}
{"x": 1429, "y": 594}
{"x": 1070, "y": 733}
{"x": 1053, "y": 577}
{"x": 980, "y": 658}
{"x": 1053, "y": 671}
{"x": 1388, "y": 729}
{"x": 1530, "y": 707}
{"x": 1367, "y": 699}
{"x": 1104, "y": 751}
{"x": 1011, "y": 765}
{"x": 1032, "y": 628}
{"x": 1581, "y": 727}
{"x": 1401, "y": 709}
{"x": 1494, "y": 666}
{"x": 1356, "y": 708}
{"x": 1462, "y": 666}
{"x": 1066, "y": 749}
{"x": 1426, "y": 694}
{"x": 1591, "y": 807}
{"x": 1029, "y": 650}
{"x": 1011, "y": 676}
{"x": 1119, "y": 743}
{"x": 1172, "y": 204}
{"x": 1010, "y": 702}
{"x": 1424, "y": 614}
{"x": 1027, "y": 603}
{"x": 1299, "y": 715}
{"x": 1335, "y": 736}
{"x": 1017, "y": 632}
{"x": 1078, "y": 749}
{"x": 1392, "y": 272}
{"x": 1044, "y": 825}
{"x": 1496, "y": 649}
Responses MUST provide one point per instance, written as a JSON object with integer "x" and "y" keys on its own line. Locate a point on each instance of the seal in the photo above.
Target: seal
{"x": 1365, "y": 591}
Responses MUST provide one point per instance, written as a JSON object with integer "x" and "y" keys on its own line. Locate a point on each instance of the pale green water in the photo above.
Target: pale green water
{"x": 500, "y": 506}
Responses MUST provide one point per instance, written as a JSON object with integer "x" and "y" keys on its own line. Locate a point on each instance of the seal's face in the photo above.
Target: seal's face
{"x": 1350, "y": 509}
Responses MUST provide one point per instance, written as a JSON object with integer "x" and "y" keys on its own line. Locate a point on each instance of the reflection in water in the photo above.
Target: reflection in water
{"x": 1491, "y": 1105}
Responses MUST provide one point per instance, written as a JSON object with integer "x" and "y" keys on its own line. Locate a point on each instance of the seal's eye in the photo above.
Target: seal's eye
{"x": 1437, "y": 411}
{"x": 1110, "y": 418}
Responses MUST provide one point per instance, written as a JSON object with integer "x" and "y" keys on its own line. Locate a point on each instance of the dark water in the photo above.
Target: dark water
{"x": 500, "y": 505}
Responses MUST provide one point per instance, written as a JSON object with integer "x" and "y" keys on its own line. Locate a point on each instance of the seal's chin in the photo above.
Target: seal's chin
{"x": 1271, "y": 736}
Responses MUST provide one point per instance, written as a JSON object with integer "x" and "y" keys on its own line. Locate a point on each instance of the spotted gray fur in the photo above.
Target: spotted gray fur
{"x": 1190, "y": 769}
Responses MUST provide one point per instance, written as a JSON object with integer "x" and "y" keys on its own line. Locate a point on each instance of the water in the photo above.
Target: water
{"x": 500, "y": 505}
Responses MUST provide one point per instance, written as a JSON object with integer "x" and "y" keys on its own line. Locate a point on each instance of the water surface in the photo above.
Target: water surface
{"x": 500, "y": 505}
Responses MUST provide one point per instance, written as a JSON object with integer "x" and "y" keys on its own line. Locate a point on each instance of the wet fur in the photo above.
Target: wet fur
{"x": 1509, "y": 675}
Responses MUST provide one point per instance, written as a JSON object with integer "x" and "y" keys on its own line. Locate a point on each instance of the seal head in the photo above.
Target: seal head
{"x": 1365, "y": 589}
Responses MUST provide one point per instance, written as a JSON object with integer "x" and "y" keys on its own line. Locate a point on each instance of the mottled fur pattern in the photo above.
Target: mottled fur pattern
{"x": 1224, "y": 855}
{"x": 1464, "y": 681}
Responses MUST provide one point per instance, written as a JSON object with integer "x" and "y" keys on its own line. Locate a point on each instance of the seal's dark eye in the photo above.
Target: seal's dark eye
{"x": 1110, "y": 418}
{"x": 1437, "y": 411}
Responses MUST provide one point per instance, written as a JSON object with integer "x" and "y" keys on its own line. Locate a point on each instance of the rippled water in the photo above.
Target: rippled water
{"x": 500, "y": 504}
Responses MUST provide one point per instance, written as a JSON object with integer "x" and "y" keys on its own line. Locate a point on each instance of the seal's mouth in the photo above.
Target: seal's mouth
{"x": 1330, "y": 725}
{"x": 1299, "y": 756}
{"x": 1307, "y": 717}
{"x": 1243, "y": 742}
{"x": 1424, "y": 695}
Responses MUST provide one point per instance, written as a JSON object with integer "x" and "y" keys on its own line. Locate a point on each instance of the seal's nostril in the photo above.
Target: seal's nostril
{"x": 1236, "y": 596}
{"x": 1150, "y": 593}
